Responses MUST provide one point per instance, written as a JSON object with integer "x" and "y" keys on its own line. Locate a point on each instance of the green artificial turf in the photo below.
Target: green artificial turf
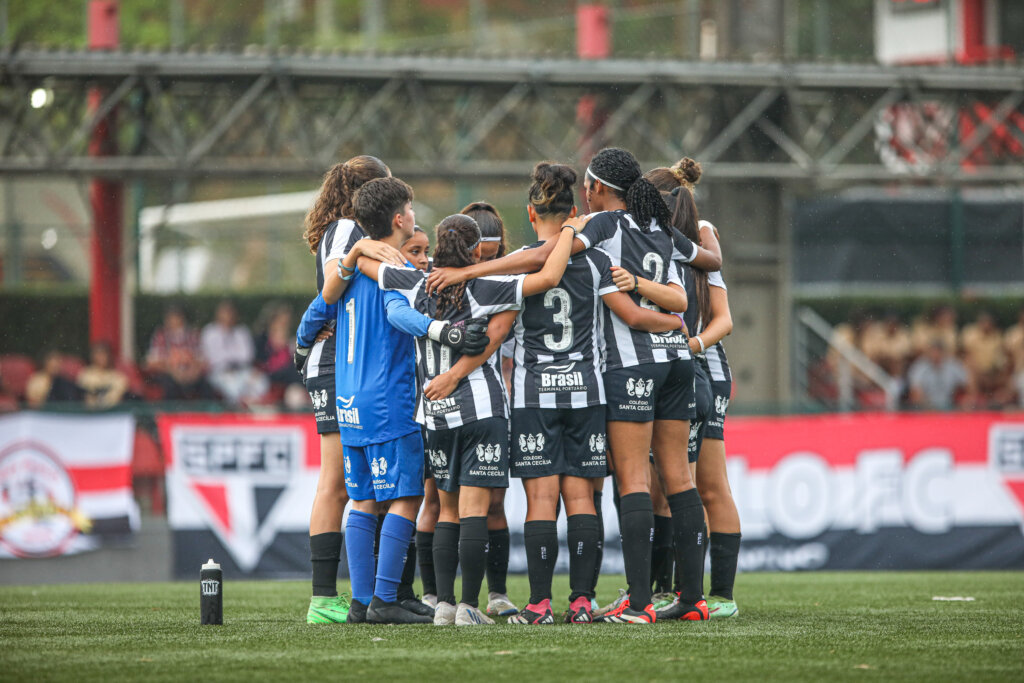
{"x": 810, "y": 626}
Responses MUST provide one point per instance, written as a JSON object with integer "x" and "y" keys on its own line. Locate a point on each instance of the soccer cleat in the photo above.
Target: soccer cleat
{"x": 663, "y": 600}
{"x": 415, "y": 606}
{"x": 534, "y": 614}
{"x": 430, "y": 600}
{"x": 498, "y": 605}
{"x": 444, "y": 614}
{"x": 720, "y": 608}
{"x": 685, "y": 611}
{"x": 356, "y": 613}
{"x": 380, "y": 612}
{"x": 580, "y": 612}
{"x": 615, "y": 604}
{"x": 324, "y": 610}
{"x": 624, "y": 614}
{"x": 467, "y": 615}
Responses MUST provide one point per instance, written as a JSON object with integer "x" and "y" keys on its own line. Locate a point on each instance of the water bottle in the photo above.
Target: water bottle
{"x": 211, "y": 594}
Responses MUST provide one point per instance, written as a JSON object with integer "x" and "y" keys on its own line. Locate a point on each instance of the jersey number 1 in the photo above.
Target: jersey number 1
{"x": 350, "y": 309}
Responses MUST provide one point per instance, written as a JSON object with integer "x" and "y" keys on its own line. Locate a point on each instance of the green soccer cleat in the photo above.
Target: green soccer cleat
{"x": 663, "y": 600}
{"x": 720, "y": 608}
{"x": 323, "y": 610}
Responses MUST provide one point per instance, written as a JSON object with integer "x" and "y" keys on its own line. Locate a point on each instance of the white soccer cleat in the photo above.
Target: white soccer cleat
{"x": 444, "y": 614}
{"x": 498, "y": 605}
{"x": 430, "y": 600}
{"x": 471, "y": 616}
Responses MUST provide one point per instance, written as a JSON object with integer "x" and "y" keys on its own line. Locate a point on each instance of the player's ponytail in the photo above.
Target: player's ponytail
{"x": 457, "y": 238}
{"x": 334, "y": 200}
{"x": 618, "y": 170}
{"x": 551, "y": 193}
{"x": 675, "y": 186}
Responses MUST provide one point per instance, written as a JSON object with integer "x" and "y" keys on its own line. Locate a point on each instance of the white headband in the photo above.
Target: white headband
{"x": 603, "y": 181}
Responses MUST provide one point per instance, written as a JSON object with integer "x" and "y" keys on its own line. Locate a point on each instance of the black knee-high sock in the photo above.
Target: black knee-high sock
{"x": 325, "y": 554}
{"x": 446, "y": 559}
{"x": 583, "y": 539}
{"x": 725, "y": 553}
{"x": 637, "y": 515}
{"x": 661, "y": 555}
{"x": 688, "y": 539}
{"x": 472, "y": 557}
{"x": 425, "y": 555}
{"x": 541, "y": 538}
{"x": 704, "y": 560}
{"x": 600, "y": 542}
{"x": 376, "y": 538}
{"x": 405, "y": 591}
{"x": 497, "y": 560}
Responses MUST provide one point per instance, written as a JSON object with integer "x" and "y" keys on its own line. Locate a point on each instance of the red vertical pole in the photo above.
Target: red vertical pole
{"x": 106, "y": 198}
{"x": 593, "y": 41}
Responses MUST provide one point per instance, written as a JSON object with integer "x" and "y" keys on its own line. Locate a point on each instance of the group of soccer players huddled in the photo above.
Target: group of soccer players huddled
{"x": 611, "y": 324}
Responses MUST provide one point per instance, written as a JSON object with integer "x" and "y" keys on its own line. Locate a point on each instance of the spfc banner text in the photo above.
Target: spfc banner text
{"x": 65, "y": 483}
{"x": 906, "y": 491}
{"x": 240, "y": 489}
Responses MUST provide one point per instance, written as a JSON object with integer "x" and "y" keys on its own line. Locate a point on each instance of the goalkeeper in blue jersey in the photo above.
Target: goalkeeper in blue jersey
{"x": 376, "y": 391}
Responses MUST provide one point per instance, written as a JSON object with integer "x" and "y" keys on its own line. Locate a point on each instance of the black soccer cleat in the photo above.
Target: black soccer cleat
{"x": 381, "y": 612}
{"x": 417, "y": 607}
{"x": 356, "y": 613}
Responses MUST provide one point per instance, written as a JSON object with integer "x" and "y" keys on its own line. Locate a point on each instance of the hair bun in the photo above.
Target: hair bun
{"x": 686, "y": 170}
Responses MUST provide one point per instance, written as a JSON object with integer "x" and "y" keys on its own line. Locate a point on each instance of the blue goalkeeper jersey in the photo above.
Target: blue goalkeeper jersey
{"x": 375, "y": 376}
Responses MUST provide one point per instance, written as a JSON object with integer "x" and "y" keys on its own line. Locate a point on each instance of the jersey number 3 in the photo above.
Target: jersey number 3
{"x": 558, "y": 299}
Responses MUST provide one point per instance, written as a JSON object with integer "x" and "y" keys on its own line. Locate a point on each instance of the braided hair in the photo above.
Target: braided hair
{"x": 551, "y": 193}
{"x": 457, "y": 236}
{"x": 489, "y": 221}
{"x": 334, "y": 200}
{"x": 676, "y": 186}
{"x": 614, "y": 166}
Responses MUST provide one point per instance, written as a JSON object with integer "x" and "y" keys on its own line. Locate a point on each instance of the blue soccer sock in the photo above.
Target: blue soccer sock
{"x": 359, "y": 533}
{"x": 395, "y": 535}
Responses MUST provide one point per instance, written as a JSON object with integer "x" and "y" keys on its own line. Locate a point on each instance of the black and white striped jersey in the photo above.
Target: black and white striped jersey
{"x": 335, "y": 244}
{"x": 713, "y": 356}
{"x": 481, "y": 394}
{"x": 648, "y": 254}
{"x": 558, "y": 338}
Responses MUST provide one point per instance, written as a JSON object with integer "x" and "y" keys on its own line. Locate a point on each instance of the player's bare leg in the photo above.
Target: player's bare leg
{"x": 724, "y": 524}
{"x": 325, "y": 537}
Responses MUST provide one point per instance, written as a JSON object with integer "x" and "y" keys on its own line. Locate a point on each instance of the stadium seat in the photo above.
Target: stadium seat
{"x": 148, "y": 471}
{"x": 136, "y": 383}
{"x": 15, "y": 370}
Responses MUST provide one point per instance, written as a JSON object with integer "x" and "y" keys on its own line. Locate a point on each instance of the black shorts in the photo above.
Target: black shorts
{"x": 705, "y": 407}
{"x": 552, "y": 441}
{"x": 655, "y": 391}
{"x": 721, "y": 392}
{"x": 321, "y": 392}
{"x": 475, "y": 454}
{"x": 426, "y": 455}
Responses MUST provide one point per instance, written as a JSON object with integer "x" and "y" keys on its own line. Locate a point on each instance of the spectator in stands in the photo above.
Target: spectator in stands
{"x": 101, "y": 383}
{"x": 274, "y": 349}
{"x": 175, "y": 361}
{"x": 939, "y": 325}
{"x": 229, "y": 353}
{"x": 888, "y": 345}
{"x": 49, "y": 385}
{"x": 982, "y": 344}
{"x": 1013, "y": 343}
{"x": 936, "y": 377}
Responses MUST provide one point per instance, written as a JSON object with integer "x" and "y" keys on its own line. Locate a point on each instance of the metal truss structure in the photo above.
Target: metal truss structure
{"x": 194, "y": 115}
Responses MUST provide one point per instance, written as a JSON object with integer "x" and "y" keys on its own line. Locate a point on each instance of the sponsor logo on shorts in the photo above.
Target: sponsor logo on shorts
{"x": 639, "y": 388}
{"x": 319, "y": 399}
{"x": 437, "y": 458}
{"x": 562, "y": 378}
{"x": 721, "y": 404}
{"x": 531, "y": 443}
{"x": 489, "y": 453}
{"x": 378, "y": 466}
{"x": 694, "y": 429}
{"x": 597, "y": 443}
{"x": 347, "y": 415}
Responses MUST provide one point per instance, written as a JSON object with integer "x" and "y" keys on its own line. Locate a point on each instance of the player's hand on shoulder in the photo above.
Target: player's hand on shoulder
{"x": 468, "y": 337}
{"x": 440, "y": 278}
{"x": 380, "y": 251}
{"x": 577, "y": 223}
{"x": 623, "y": 279}
{"x": 441, "y": 386}
{"x": 325, "y": 333}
